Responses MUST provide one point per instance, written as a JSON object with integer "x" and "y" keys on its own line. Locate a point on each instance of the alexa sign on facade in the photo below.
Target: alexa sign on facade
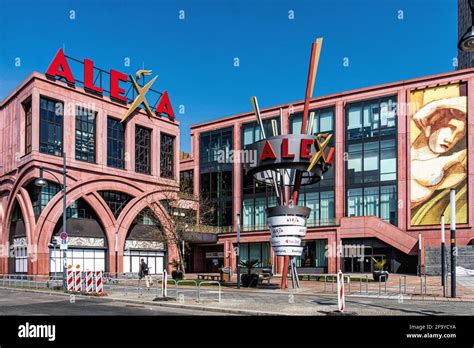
{"x": 59, "y": 67}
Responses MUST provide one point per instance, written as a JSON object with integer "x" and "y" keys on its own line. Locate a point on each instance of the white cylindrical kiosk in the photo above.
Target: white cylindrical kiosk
{"x": 287, "y": 226}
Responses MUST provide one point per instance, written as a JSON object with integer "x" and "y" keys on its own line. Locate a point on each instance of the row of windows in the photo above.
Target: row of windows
{"x": 216, "y": 182}
{"x": 371, "y": 166}
{"x": 51, "y": 138}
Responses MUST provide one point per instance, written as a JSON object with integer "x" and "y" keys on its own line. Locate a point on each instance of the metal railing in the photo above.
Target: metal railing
{"x": 196, "y": 288}
{"x": 25, "y": 281}
{"x": 210, "y": 282}
{"x": 388, "y": 285}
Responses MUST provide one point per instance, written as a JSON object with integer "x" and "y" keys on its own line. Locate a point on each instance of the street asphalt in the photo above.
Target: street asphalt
{"x": 28, "y": 303}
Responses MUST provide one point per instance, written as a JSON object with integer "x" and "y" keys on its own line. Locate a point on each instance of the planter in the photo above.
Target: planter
{"x": 249, "y": 280}
{"x": 177, "y": 275}
{"x": 380, "y": 276}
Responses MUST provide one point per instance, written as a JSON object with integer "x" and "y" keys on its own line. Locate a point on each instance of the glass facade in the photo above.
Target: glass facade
{"x": 115, "y": 143}
{"x": 115, "y": 200}
{"x": 51, "y": 126}
{"x": 85, "y": 135}
{"x": 216, "y": 174}
{"x": 40, "y": 196}
{"x": 256, "y": 251}
{"x": 142, "y": 150}
{"x": 167, "y": 156}
{"x": 314, "y": 254}
{"x": 154, "y": 260}
{"x": 320, "y": 196}
{"x": 87, "y": 259}
{"x": 256, "y": 196}
{"x": 371, "y": 166}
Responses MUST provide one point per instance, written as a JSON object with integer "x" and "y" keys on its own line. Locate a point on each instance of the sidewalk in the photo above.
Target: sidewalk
{"x": 264, "y": 302}
{"x": 411, "y": 286}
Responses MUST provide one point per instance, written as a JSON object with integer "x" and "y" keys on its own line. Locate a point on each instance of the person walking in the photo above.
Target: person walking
{"x": 144, "y": 272}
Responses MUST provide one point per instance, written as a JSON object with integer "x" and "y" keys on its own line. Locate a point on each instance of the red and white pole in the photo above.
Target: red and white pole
{"x": 70, "y": 280}
{"x": 340, "y": 292}
{"x": 78, "y": 281}
{"x": 99, "y": 287}
{"x": 89, "y": 283}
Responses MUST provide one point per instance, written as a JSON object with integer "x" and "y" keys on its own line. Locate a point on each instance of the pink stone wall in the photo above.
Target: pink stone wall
{"x": 17, "y": 169}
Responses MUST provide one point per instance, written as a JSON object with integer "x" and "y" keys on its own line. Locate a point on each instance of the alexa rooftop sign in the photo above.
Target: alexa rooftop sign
{"x": 60, "y": 68}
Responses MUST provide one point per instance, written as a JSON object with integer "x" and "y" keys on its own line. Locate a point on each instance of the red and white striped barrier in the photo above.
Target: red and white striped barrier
{"x": 164, "y": 285}
{"x": 340, "y": 292}
{"x": 89, "y": 283}
{"x": 99, "y": 288}
{"x": 70, "y": 280}
{"x": 78, "y": 281}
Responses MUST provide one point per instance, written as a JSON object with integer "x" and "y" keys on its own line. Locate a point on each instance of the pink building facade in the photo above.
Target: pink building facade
{"x": 389, "y": 133}
{"x": 107, "y": 188}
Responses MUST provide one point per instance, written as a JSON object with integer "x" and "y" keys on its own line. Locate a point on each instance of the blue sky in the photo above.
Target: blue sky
{"x": 195, "y": 56}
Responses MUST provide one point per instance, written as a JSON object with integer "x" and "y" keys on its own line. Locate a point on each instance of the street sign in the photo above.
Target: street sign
{"x": 63, "y": 244}
{"x": 54, "y": 241}
{"x": 63, "y": 236}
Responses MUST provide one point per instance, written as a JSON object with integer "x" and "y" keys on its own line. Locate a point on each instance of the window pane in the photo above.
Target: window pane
{"x": 85, "y": 135}
{"x": 142, "y": 150}
{"x": 248, "y": 135}
{"x": 354, "y": 121}
{"x": 115, "y": 143}
{"x": 327, "y": 206}
{"x": 296, "y": 121}
{"x": 388, "y": 203}
{"x": 388, "y": 161}
{"x": 371, "y": 201}
{"x": 51, "y": 126}
{"x": 326, "y": 120}
{"x": 166, "y": 156}
{"x": 354, "y": 202}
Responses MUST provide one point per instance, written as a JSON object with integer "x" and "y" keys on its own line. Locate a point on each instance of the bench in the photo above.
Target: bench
{"x": 208, "y": 276}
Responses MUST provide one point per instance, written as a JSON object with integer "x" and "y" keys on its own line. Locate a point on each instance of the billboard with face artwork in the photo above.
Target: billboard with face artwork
{"x": 438, "y": 153}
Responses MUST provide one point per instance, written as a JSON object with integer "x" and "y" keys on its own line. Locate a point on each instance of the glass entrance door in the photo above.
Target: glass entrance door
{"x": 353, "y": 265}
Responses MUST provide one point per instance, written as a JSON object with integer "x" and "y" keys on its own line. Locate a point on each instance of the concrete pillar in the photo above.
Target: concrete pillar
{"x": 237, "y": 176}
{"x": 403, "y": 138}
{"x": 339, "y": 163}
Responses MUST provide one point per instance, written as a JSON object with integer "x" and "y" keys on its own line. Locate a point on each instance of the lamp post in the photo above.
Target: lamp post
{"x": 238, "y": 251}
{"x": 41, "y": 182}
{"x": 419, "y": 254}
{"x": 443, "y": 252}
{"x": 452, "y": 204}
{"x": 466, "y": 43}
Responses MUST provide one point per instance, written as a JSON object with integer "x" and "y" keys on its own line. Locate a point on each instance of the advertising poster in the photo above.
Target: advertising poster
{"x": 438, "y": 139}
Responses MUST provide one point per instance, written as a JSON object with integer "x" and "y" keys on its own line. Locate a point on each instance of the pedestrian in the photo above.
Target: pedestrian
{"x": 144, "y": 272}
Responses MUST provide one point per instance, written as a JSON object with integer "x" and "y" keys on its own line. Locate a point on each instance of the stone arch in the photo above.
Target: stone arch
{"x": 23, "y": 203}
{"x": 28, "y": 215}
{"x": 27, "y": 174}
{"x": 151, "y": 200}
{"x": 80, "y": 189}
